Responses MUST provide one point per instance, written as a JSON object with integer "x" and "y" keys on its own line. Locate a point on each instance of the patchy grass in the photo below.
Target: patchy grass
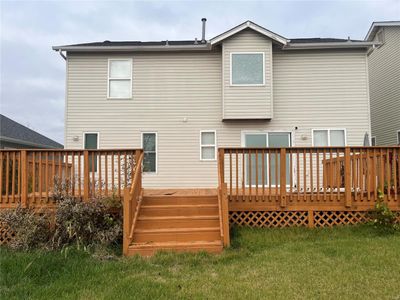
{"x": 293, "y": 263}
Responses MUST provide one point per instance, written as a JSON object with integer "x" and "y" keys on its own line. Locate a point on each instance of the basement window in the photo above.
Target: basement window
{"x": 208, "y": 145}
{"x": 119, "y": 78}
{"x": 247, "y": 69}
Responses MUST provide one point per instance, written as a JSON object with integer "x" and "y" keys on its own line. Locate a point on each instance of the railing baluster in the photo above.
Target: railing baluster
{"x": 13, "y": 179}
{"x": 237, "y": 175}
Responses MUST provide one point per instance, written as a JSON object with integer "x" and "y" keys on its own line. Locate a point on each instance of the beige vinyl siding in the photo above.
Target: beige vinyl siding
{"x": 384, "y": 76}
{"x": 312, "y": 90}
{"x": 247, "y": 102}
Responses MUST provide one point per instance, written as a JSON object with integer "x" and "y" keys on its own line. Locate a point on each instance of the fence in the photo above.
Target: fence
{"x": 38, "y": 177}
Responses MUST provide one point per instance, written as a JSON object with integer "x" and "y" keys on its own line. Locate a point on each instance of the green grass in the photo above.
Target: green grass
{"x": 295, "y": 263}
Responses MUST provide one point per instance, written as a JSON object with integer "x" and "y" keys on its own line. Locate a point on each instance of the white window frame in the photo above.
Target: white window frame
{"x": 329, "y": 136}
{"x": 209, "y": 145}
{"x": 247, "y": 84}
{"x": 156, "y": 151}
{"x": 117, "y": 78}
{"x": 98, "y": 145}
{"x": 373, "y": 138}
{"x": 266, "y": 133}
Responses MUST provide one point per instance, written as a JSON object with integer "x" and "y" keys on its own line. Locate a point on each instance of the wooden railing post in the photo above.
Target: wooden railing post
{"x": 221, "y": 166}
{"x": 126, "y": 221}
{"x": 24, "y": 179}
{"x": 225, "y": 215}
{"x": 347, "y": 177}
{"x": 283, "y": 177}
{"x": 86, "y": 183}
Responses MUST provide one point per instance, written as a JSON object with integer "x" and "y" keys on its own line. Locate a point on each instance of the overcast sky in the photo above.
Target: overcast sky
{"x": 33, "y": 76}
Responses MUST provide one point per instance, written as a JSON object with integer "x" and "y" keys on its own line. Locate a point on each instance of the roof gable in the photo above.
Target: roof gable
{"x": 249, "y": 25}
{"x": 375, "y": 27}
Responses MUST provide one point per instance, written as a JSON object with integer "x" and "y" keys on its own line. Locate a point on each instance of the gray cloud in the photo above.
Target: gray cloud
{"x": 32, "y": 76}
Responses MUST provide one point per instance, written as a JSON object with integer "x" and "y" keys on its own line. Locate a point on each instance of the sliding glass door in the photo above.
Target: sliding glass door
{"x": 254, "y": 163}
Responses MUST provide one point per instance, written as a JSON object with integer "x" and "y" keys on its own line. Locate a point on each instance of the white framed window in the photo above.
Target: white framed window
{"x": 373, "y": 141}
{"x": 247, "y": 68}
{"x": 335, "y": 137}
{"x": 149, "y": 146}
{"x": 91, "y": 142}
{"x": 119, "y": 79}
{"x": 208, "y": 145}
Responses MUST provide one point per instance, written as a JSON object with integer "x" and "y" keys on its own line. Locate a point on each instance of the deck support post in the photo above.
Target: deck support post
{"x": 127, "y": 215}
{"x": 86, "y": 176}
{"x": 311, "y": 219}
{"x": 347, "y": 177}
{"x": 24, "y": 179}
{"x": 282, "y": 173}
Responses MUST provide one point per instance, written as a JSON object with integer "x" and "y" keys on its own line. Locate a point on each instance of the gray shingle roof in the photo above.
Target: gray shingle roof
{"x": 320, "y": 40}
{"x": 13, "y": 130}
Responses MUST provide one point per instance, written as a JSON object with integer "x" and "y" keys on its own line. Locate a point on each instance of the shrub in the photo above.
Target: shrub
{"x": 381, "y": 217}
{"x": 85, "y": 224}
{"x": 31, "y": 229}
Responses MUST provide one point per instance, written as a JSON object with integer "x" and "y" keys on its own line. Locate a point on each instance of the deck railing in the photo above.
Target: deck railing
{"x": 38, "y": 178}
{"x": 310, "y": 177}
{"x": 133, "y": 197}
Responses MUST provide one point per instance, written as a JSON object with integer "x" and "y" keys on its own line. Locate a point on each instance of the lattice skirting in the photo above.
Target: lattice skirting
{"x": 298, "y": 218}
{"x": 6, "y": 233}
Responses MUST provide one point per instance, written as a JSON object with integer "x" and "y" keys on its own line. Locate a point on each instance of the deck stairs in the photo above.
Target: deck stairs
{"x": 177, "y": 220}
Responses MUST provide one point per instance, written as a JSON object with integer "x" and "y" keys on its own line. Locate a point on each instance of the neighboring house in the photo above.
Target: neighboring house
{"x": 16, "y": 136}
{"x": 181, "y": 100}
{"x": 384, "y": 78}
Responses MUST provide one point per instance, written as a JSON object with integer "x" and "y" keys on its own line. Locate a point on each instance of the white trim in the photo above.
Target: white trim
{"x": 98, "y": 146}
{"x": 209, "y": 145}
{"x": 223, "y": 81}
{"x": 246, "y": 84}
{"x": 329, "y": 135}
{"x": 141, "y": 146}
{"x": 251, "y": 25}
{"x": 122, "y": 79}
{"x": 373, "y": 138}
{"x": 370, "y": 34}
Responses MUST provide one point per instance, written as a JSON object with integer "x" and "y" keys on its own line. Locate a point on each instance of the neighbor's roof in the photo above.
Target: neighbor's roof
{"x": 196, "y": 45}
{"x": 375, "y": 27}
{"x": 14, "y": 132}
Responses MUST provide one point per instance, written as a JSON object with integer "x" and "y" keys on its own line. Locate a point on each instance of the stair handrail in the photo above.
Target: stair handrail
{"x": 133, "y": 197}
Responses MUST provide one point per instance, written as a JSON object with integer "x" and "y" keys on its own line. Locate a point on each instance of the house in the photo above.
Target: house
{"x": 16, "y": 136}
{"x": 181, "y": 100}
{"x": 384, "y": 77}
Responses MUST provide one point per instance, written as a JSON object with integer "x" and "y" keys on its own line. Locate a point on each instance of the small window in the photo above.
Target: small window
{"x": 149, "y": 145}
{"x": 373, "y": 141}
{"x": 247, "y": 68}
{"x": 91, "y": 142}
{"x": 398, "y": 137}
{"x": 120, "y": 78}
{"x": 329, "y": 137}
{"x": 208, "y": 145}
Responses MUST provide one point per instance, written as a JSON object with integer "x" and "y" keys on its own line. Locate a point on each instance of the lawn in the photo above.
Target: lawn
{"x": 293, "y": 263}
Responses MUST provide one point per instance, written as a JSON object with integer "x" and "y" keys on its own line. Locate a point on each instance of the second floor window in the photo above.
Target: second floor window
{"x": 120, "y": 78}
{"x": 247, "y": 68}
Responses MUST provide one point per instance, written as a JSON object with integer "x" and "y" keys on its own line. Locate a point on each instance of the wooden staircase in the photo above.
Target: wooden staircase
{"x": 177, "y": 220}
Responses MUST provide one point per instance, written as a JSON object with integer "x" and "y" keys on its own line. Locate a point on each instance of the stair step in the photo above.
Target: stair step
{"x": 177, "y": 222}
{"x": 179, "y": 210}
{"x": 177, "y": 234}
{"x": 147, "y": 249}
{"x": 175, "y": 200}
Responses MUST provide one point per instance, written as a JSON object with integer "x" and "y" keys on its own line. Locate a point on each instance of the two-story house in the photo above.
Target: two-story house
{"x": 384, "y": 77}
{"x": 181, "y": 100}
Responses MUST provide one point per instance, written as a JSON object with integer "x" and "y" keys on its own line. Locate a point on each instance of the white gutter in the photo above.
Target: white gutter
{"x": 198, "y": 47}
{"x": 339, "y": 45}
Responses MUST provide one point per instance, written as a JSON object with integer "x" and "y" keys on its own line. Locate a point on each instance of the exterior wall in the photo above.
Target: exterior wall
{"x": 384, "y": 76}
{"x": 311, "y": 90}
{"x": 258, "y": 103}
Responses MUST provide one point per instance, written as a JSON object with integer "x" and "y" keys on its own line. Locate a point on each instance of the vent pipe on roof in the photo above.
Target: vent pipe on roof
{"x": 203, "y": 31}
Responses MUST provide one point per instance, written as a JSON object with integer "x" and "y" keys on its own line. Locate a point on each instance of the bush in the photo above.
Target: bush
{"x": 85, "y": 224}
{"x": 381, "y": 217}
{"x": 31, "y": 229}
